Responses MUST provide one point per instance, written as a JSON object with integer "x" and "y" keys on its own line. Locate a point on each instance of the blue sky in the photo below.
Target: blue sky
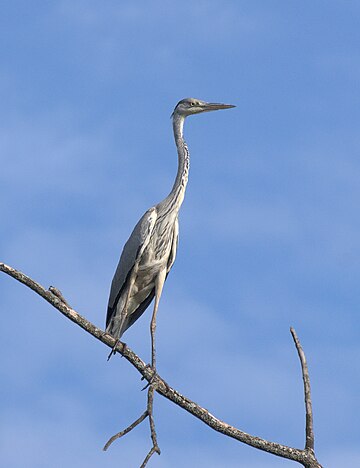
{"x": 269, "y": 230}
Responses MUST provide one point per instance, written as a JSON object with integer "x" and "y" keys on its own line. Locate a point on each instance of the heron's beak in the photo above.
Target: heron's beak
{"x": 212, "y": 106}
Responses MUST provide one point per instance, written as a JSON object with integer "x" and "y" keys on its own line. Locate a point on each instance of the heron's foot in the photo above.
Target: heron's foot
{"x": 113, "y": 351}
{"x": 153, "y": 377}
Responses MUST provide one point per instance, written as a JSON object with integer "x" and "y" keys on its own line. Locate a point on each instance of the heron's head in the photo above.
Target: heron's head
{"x": 190, "y": 106}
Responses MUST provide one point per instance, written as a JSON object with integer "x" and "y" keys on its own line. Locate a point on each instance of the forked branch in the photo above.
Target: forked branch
{"x": 305, "y": 456}
{"x": 148, "y": 413}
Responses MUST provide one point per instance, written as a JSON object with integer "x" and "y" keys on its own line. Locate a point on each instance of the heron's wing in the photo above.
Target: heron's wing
{"x": 139, "y": 311}
{"x": 145, "y": 303}
{"x": 132, "y": 251}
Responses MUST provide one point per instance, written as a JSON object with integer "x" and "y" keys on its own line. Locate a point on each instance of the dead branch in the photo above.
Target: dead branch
{"x": 150, "y": 404}
{"x": 305, "y": 456}
{"x": 148, "y": 413}
{"x": 309, "y": 431}
{"x": 125, "y": 431}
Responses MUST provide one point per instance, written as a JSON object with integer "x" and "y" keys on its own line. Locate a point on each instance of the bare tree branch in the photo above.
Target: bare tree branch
{"x": 309, "y": 432}
{"x": 125, "y": 431}
{"x": 150, "y": 404}
{"x": 305, "y": 457}
{"x": 146, "y": 414}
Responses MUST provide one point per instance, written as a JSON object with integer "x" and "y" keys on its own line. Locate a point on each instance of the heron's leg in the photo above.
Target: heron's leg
{"x": 159, "y": 283}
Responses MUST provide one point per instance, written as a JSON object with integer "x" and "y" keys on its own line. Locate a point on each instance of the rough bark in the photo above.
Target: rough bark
{"x": 305, "y": 456}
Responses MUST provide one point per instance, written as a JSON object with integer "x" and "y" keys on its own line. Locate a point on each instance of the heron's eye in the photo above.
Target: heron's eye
{"x": 192, "y": 103}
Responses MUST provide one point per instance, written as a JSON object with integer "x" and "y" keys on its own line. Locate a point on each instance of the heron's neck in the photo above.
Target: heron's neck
{"x": 177, "y": 193}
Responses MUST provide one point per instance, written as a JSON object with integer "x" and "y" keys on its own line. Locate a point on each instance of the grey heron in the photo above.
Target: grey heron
{"x": 150, "y": 251}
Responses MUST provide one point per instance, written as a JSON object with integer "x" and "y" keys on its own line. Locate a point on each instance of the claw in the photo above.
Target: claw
{"x": 153, "y": 377}
{"x": 146, "y": 386}
{"x": 113, "y": 351}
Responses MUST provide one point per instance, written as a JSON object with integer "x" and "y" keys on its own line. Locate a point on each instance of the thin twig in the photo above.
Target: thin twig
{"x": 305, "y": 457}
{"x": 150, "y": 405}
{"x": 148, "y": 456}
{"x": 155, "y": 448}
{"x": 125, "y": 431}
{"x": 309, "y": 444}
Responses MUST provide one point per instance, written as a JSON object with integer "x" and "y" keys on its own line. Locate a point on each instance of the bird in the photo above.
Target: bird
{"x": 150, "y": 251}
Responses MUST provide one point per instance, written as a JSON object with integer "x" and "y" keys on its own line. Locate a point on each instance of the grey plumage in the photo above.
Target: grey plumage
{"x": 150, "y": 252}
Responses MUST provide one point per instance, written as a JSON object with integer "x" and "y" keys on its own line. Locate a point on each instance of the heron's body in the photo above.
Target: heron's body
{"x": 138, "y": 288}
{"x": 150, "y": 252}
